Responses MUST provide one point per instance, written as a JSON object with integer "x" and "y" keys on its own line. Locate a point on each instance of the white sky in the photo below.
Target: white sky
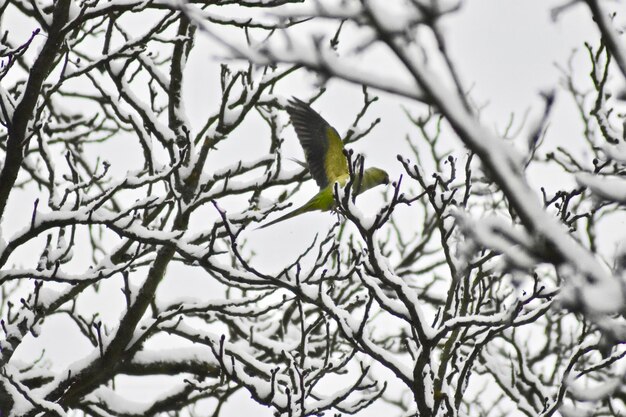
{"x": 505, "y": 50}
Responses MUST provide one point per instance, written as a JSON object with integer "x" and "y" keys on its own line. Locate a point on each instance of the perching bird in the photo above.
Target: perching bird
{"x": 323, "y": 150}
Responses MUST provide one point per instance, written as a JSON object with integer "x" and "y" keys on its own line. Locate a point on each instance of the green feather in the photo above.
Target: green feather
{"x": 322, "y": 145}
{"x": 323, "y": 150}
{"x": 325, "y": 200}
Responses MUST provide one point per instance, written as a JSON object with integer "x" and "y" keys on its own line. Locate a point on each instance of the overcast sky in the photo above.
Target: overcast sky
{"x": 505, "y": 50}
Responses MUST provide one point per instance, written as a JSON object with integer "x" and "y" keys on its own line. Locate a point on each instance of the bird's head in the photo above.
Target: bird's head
{"x": 378, "y": 176}
{"x": 373, "y": 177}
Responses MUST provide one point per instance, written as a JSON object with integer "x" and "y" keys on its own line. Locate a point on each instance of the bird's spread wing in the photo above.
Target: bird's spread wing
{"x": 322, "y": 145}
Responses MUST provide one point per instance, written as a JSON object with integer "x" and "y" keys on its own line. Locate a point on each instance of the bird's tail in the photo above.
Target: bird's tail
{"x": 289, "y": 215}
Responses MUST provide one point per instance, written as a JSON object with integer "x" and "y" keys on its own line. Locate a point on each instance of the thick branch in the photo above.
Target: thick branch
{"x": 20, "y": 122}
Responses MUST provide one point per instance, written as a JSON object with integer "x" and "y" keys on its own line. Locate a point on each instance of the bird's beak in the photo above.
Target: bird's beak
{"x": 386, "y": 181}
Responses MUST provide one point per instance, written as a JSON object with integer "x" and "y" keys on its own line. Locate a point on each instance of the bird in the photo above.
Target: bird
{"x": 325, "y": 159}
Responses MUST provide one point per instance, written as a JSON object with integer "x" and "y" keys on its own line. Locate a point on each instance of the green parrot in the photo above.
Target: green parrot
{"x": 323, "y": 150}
